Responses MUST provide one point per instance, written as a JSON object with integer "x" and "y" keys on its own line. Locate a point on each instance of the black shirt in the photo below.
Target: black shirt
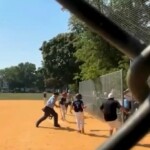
{"x": 78, "y": 105}
{"x": 62, "y": 101}
{"x": 44, "y": 95}
{"x": 110, "y": 109}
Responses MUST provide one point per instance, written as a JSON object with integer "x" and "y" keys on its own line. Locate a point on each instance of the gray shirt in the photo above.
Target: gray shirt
{"x": 51, "y": 102}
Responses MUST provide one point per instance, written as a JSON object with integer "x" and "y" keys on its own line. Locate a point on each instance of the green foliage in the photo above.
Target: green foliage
{"x": 98, "y": 56}
{"x": 133, "y": 16}
{"x": 21, "y": 76}
{"x": 40, "y": 80}
{"x": 73, "y": 88}
{"x": 26, "y": 74}
{"x": 124, "y": 64}
{"x": 58, "y": 58}
{"x": 22, "y": 96}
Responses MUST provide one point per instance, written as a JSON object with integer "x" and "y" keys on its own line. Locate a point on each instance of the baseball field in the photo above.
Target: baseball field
{"x": 18, "y": 131}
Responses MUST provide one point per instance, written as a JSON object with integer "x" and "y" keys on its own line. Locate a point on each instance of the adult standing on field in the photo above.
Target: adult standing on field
{"x": 109, "y": 108}
{"x": 49, "y": 110}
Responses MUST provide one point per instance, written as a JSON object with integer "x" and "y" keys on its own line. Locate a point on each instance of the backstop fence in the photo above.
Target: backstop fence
{"x": 96, "y": 91}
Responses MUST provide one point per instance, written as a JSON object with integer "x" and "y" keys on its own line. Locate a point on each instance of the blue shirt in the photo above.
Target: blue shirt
{"x": 51, "y": 102}
{"x": 126, "y": 104}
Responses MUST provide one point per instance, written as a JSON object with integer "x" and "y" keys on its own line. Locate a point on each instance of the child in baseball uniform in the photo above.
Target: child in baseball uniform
{"x": 78, "y": 107}
{"x": 62, "y": 103}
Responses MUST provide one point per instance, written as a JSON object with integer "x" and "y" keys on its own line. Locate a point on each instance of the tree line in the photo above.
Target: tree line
{"x": 81, "y": 54}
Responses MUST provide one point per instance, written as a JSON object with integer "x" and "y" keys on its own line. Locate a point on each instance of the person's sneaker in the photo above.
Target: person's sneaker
{"x": 82, "y": 131}
{"x": 37, "y": 125}
{"x": 57, "y": 125}
{"x": 79, "y": 131}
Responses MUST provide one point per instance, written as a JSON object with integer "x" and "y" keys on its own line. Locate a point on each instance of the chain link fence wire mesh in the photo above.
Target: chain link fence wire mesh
{"x": 96, "y": 91}
{"x": 131, "y": 15}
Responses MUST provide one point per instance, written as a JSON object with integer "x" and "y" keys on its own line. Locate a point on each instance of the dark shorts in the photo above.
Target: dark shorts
{"x": 47, "y": 110}
{"x": 69, "y": 103}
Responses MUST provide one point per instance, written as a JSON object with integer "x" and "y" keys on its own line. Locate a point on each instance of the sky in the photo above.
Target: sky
{"x": 24, "y": 25}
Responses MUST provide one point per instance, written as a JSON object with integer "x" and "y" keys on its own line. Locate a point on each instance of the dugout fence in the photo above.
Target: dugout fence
{"x": 96, "y": 91}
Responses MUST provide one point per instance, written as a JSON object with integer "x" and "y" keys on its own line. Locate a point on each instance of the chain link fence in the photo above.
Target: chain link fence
{"x": 132, "y": 16}
{"x": 96, "y": 91}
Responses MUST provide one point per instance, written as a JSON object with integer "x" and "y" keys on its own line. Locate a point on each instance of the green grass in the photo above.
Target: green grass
{"x": 22, "y": 96}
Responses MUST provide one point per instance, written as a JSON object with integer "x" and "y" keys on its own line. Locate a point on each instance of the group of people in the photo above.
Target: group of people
{"x": 76, "y": 104}
{"x": 109, "y": 108}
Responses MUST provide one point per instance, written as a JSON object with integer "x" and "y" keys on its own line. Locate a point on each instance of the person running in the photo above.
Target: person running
{"x": 109, "y": 108}
{"x": 78, "y": 107}
{"x": 62, "y": 103}
{"x": 49, "y": 110}
{"x": 68, "y": 101}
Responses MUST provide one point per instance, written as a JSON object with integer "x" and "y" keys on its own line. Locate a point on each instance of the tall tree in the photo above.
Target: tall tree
{"x": 21, "y": 76}
{"x": 98, "y": 56}
{"x": 58, "y": 58}
{"x": 40, "y": 79}
{"x": 26, "y": 74}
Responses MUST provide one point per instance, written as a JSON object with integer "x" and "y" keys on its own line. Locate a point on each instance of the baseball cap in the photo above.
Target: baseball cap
{"x": 78, "y": 96}
{"x": 110, "y": 95}
{"x": 56, "y": 93}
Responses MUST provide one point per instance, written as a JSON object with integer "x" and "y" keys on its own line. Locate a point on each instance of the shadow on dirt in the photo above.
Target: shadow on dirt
{"x": 97, "y": 130}
{"x": 72, "y": 130}
{"x": 96, "y": 135}
{"x": 61, "y": 128}
{"x": 71, "y": 122}
{"x": 143, "y": 145}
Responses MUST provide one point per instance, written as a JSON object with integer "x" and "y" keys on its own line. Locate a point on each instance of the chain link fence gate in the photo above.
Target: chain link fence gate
{"x": 96, "y": 91}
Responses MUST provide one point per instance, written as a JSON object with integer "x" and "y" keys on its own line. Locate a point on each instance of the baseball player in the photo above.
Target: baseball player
{"x": 78, "y": 107}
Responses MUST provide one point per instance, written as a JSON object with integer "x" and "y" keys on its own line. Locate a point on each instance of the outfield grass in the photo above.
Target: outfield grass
{"x": 22, "y": 96}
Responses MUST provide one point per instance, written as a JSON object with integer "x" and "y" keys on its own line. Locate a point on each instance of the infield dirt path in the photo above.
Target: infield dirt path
{"x": 18, "y": 131}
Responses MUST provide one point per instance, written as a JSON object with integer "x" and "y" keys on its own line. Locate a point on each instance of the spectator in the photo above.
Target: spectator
{"x": 109, "y": 108}
{"x": 45, "y": 96}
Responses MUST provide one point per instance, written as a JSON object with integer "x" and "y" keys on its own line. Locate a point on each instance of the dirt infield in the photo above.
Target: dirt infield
{"x": 18, "y": 131}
